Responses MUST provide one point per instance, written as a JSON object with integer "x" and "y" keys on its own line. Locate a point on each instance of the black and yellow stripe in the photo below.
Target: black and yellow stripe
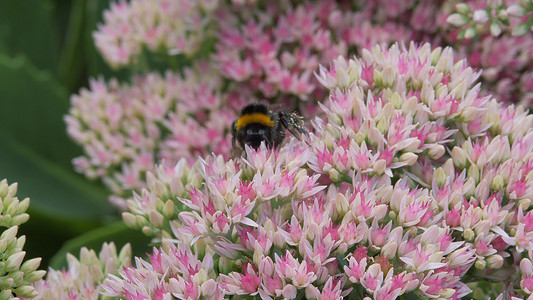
{"x": 253, "y": 118}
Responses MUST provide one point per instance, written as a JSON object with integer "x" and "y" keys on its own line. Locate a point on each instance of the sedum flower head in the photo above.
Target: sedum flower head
{"x": 175, "y": 27}
{"x": 84, "y": 275}
{"x": 258, "y": 51}
{"x": 16, "y": 274}
{"x": 274, "y": 51}
{"x": 411, "y": 183}
{"x": 126, "y": 129}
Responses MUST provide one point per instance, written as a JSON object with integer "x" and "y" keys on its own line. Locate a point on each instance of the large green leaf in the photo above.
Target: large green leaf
{"x": 54, "y": 191}
{"x": 27, "y": 26}
{"x": 63, "y": 204}
{"x": 117, "y": 232}
{"x": 36, "y": 153}
{"x": 32, "y": 105}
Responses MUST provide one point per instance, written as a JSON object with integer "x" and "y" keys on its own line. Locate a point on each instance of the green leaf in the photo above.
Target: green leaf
{"x": 32, "y": 109}
{"x": 27, "y": 26}
{"x": 409, "y": 296}
{"x": 54, "y": 190}
{"x": 63, "y": 204}
{"x": 117, "y": 232}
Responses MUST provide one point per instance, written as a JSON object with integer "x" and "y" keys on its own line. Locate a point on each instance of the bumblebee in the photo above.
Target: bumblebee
{"x": 257, "y": 123}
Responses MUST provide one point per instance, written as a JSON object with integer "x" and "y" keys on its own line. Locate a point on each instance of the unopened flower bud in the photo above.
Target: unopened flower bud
{"x": 469, "y": 187}
{"x": 378, "y": 78}
{"x": 502, "y": 14}
{"x": 435, "y": 55}
{"x": 289, "y": 292}
{"x": 342, "y": 205}
{"x": 470, "y": 33}
{"x": 409, "y": 158}
{"x": 379, "y": 166}
{"x": 436, "y": 151}
{"x": 9, "y": 235}
{"x": 480, "y": 16}
{"x": 463, "y": 8}
{"x": 23, "y": 206}
{"x": 482, "y": 227}
{"x": 459, "y": 157}
{"x": 168, "y": 209}
{"x": 440, "y": 176}
{"x": 3, "y": 246}
{"x": 494, "y": 261}
{"x": 516, "y": 10}
{"x": 389, "y": 250}
{"x": 524, "y": 203}
{"x": 396, "y": 100}
{"x": 129, "y": 219}
{"x": 388, "y": 76}
{"x": 383, "y": 125}
{"x": 156, "y": 219}
{"x": 497, "y": 183}
{"x": 480, "y": 264}
{"x": 148, "y": 230}
{"x": 526, "y": 267}
{"x": 160, "y": 189}
{"x": 470, "y": 113}
{"x": 469, "y": 234}
{"x": 225, "y": 265}
{"x": 26, "y": 291}
{"x": 30, "y": 265}
{"x": 20, "y": 219}
{"x": 343, "y": 79}
{"x": 258, "y": 255}
{"x": 125, "y": 252}
{"x": 473, "y": 172}
{"x": 334, "y": 175}
{"x": 495, "y": 29}
{"x": 14, "y": 261}
{"x": 457, "y": 20}
{"x": 3, "y": 188}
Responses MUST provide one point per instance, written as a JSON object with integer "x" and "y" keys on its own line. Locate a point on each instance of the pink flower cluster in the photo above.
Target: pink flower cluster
{"x": 476, "y": 17}
{"x": 254, "y": 51}
{"x": 125, "y": 129}
{"x": 275, "y": 52}
{"x": 413, "y": 184}
{"x": 273, "y": 49}
{"x": 177, "y": 27}
{"x": 84, "y": 276}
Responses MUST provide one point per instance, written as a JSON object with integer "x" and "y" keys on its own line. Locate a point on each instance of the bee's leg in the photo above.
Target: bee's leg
{"x": 236, "y": 150}
{"x": 293, "y": 123}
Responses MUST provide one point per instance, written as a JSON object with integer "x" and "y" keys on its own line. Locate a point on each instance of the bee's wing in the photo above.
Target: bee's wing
{"x": 293, "y": 123}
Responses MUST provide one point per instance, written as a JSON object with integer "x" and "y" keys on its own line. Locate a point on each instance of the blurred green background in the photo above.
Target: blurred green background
{"x": 47, "y": 54}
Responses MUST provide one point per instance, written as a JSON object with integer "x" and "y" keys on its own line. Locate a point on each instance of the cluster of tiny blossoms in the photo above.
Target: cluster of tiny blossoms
{"x": 125, "y": 129}
{"x": 275, "y": 51}
{"x": 261, "y": 51}
{"x": 84, "y": 276}
{"x": 475, "y": 17}
{"x": 505, "y": 53}
{"x": 413, "y": 184}
{"x": 16, "y": 275}
{"x": 272, "y": 48}
{"x": 177, "y": 26}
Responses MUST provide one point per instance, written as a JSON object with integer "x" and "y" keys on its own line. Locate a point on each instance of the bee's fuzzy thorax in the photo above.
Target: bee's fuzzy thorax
{"x": 254, "y": 118}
